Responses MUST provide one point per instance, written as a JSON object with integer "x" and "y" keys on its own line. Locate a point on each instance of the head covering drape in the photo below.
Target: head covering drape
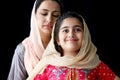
{"x": 33, "y": 45}
{"x": 86, "y": 58}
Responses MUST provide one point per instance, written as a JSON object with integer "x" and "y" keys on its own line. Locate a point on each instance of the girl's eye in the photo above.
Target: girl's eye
{"x": 66, "y": 31}
{"x": 78, "y": 30}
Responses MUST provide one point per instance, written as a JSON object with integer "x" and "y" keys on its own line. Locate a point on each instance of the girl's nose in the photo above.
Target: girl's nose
{"x": 71, "y": 34}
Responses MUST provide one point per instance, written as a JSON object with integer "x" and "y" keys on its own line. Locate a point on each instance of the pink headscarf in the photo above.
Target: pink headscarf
{"x": 33, "y": 45}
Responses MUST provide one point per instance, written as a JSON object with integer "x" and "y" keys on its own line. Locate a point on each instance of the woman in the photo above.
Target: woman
{"x": 71, "y": 55}
{"x": 29, "y": 51}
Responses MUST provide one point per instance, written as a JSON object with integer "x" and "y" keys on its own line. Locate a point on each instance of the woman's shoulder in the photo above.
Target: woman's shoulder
{"x": 20, "y": 46}
{"x": 20, "y": 49}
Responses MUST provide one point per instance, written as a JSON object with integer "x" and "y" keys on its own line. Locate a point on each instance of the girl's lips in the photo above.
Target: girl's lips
{"x": 72, "y": 40}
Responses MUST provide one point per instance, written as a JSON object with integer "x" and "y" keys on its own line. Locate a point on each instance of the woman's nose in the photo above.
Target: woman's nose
{"x": 49, "y": 19}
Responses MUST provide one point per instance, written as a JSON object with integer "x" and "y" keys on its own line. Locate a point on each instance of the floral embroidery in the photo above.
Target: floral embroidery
{"x": 58, "y": 72}
{"x": 86, "y": 71}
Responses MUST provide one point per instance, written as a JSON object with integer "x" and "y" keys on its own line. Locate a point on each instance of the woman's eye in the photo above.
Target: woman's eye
{"x": 44, "y": 14}
{"x": 55, "y": 15}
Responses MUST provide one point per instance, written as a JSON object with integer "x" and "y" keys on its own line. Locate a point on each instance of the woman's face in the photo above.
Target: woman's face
{"x": 47, "y": 13}
{"x": 70, "y": 36}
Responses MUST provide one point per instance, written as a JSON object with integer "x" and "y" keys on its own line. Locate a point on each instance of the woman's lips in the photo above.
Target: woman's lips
{"x": 48, "y": 26}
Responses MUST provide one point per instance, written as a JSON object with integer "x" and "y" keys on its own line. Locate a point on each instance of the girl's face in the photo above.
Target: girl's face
{"x": 70, "y": 36}
{"x": 47, "y": 13}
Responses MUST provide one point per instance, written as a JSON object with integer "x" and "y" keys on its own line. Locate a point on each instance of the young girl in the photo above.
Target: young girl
{"x": 71, "y": 55}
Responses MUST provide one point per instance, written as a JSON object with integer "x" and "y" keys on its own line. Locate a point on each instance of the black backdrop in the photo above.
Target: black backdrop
{"x": 102, "y": 18}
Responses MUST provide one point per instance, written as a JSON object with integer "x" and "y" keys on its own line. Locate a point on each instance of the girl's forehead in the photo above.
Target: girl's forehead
{"x": 70, "y": 22}
{"x": 71, "y": 19}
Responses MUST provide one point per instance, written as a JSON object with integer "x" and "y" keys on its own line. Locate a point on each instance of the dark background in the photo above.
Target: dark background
{"x": 102, "y": 18}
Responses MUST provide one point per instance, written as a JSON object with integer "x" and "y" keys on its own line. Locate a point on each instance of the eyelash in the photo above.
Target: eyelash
{"x": 56, "y": 16}
{"x": 65, "y": 30}
{"x": 76, "y": 30}
{"x": 52, "y": 15}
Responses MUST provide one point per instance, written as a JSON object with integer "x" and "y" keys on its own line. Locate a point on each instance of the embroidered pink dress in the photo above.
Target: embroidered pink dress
{"x": 101, "y": 72}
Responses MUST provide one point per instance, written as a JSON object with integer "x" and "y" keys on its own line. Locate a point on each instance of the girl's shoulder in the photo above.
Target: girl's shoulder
{"x": 102, "y": 71}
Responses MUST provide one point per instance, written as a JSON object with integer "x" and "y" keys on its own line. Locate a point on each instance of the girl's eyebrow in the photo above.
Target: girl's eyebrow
{"x": 64, "y": 27}
{"x": 73, "y": 26}
{"x": 78, "y": 26}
